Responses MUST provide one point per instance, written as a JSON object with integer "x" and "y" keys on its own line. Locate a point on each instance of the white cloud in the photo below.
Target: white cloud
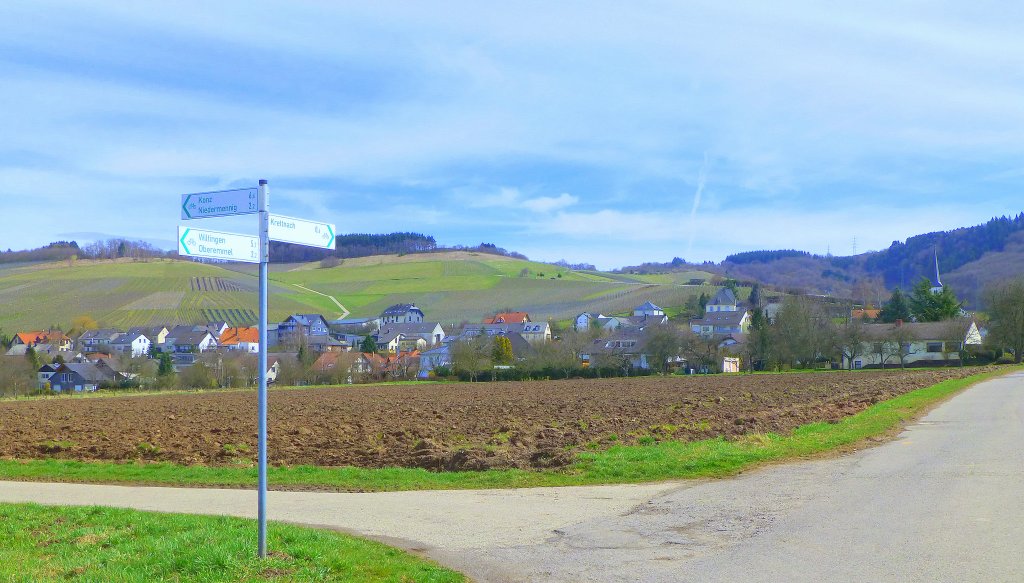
{"x": 546, "y": 204}
{"x": 513, "y": 198}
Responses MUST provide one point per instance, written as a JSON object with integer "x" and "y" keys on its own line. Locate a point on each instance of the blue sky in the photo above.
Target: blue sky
{"x": 609, "y": 133}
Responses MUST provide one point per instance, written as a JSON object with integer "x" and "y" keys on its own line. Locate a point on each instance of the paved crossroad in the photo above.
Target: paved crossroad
{"x": 943, "y": 502}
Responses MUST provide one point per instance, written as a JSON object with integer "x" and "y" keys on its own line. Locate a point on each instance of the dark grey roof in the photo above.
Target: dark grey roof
{"x": 352, "y": 321}
{"x": 190, "y": 337}
{"x": 128, "y": 338}
{"x": 307, "y": 319}
{"x": 724, "y": 297}
{"x": 409, "y": 327}
{"x": 730, "y": 319}
{"x": 647, "y": 306}
{"x": 399, "y": 309}
{"x": 87, "y": 371}
{"x": 101, "y": 334}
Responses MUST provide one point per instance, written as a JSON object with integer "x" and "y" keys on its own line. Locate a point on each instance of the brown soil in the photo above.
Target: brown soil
{"x": 443, "y": 426}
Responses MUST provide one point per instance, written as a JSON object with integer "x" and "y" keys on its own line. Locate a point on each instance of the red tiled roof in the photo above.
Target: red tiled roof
{"x": 238, "y": 335}
{"x": 31, "y": 337}
{"x": 508, "y": 318}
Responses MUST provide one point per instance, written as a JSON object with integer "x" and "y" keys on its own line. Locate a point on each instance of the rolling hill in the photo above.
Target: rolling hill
{"x": 450, "y": 287}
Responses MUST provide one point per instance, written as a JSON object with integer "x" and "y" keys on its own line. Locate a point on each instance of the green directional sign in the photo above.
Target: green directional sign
{"x": 301, "y": 232}
{"x": 221, "y": 203}
{"x": 218, "y": 245}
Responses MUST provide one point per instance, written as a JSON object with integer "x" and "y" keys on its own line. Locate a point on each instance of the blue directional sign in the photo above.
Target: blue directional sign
{"x": 221, "y": 203}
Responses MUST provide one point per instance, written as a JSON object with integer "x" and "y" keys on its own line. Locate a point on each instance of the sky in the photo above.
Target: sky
{"x": 610, "y": 133}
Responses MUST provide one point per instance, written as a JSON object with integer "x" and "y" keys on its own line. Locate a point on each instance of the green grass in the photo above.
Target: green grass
{"x": 40, "y": 543}
{"x": 663, "y": 460}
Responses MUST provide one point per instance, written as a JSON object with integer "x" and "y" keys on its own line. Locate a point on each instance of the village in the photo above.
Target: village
{"x": 401, "y": 343}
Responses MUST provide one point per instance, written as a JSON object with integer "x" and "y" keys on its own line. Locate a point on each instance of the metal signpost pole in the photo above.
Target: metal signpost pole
{"x": 264, "y": 214}
{"x": 246, "y": 248}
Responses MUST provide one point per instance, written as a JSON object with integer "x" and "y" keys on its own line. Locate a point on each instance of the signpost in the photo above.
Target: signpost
{"x": 221, "y": 203}
{"x": 301, "y": 232}
{"x": 234, "y": 247}
{"x": 217, "y": 245}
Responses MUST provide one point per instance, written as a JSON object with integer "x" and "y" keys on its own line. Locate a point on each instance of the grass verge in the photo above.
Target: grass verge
{"x": 40, "y": 543}
{"x": 619, "y": 464}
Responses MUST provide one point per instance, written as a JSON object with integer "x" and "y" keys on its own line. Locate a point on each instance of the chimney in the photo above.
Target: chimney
{"x": 899, "y": 323}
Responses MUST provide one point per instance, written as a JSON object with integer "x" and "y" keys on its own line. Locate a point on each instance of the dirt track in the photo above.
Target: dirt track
{"x": 441, "y": 427}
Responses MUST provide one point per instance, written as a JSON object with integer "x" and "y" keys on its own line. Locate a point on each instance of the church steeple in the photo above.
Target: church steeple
{"x": 937, "y": 288}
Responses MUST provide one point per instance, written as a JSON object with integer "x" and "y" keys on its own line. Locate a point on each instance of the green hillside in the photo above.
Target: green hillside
{"x": 449, "y": 287}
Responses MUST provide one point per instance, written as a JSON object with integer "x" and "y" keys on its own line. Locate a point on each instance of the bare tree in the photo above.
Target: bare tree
{"x": 663, "y": 343}
{"x": 902, "y": 338}
{"x": 471, "y": 357}
{"x": 850, "y": 340}
{"x": 1005, "y": 302}
{"x": 954, "y": 335}
{"x": 802, "y": 332}
{"x": 884, "y": 349}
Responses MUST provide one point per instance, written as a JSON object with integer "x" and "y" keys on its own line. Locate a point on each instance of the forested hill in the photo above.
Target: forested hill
{"x": 969, "y": 259}
{"x": 355, "y": 245}
{"x": 904, "y": 263}
{"x": 365, "y": 245}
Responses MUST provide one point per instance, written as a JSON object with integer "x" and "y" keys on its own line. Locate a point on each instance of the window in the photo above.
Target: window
{"x": 934, "y": 347}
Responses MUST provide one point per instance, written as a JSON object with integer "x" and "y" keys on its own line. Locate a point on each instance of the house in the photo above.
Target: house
{"x": 97, "y": 340}
{"x": 355, "y": 326}
{"x": 241, "y": 339}
{"x": 44, "y": 373}
{"x": 273, "y": 368}
{"x": 28, "y": 338}
{"x": 431, "y": 332}
{"x": 434, "y": 358}
{"x": 724, "y": 301}
{"x": 325, "y": 343}
{"x": 771, "y": 311}
{"x": 78, "y": 377}
{"x": 217, "y": 328}
{"x": 302, "y": 324}
{"x": 619, "y": 349}
{"x": 648, "y": 309}
{"x": 397, "y": 342}
{"x": 329, "y": 362}
{"x": 532, "y": 332}
{"x": 157, "y": 334}
{"x": 190, "y": 342}
{"x": 58, "y": 341}
{"x": 135, "y": 344}
{"x": 721, "y": 322}
{"x": 508, "y": 318}
{"x": 585, "y": 320}
{"x": 401, "y": 313}
{"x": 920, "y": 343}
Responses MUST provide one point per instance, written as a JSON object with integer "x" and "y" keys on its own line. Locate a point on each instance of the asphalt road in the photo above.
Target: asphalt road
{"x": 942, "y": 502}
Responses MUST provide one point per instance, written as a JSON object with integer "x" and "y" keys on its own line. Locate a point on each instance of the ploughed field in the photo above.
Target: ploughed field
{"x": 459, "y": 426}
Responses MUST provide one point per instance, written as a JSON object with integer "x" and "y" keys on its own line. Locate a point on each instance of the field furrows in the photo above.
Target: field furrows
{"x": 443, "y": 426}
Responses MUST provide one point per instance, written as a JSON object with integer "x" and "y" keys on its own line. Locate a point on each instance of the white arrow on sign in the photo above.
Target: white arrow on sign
{"x": 217, "y": 245}
{"x": 222, "y": 203}
{"x": 301, "y": 232}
